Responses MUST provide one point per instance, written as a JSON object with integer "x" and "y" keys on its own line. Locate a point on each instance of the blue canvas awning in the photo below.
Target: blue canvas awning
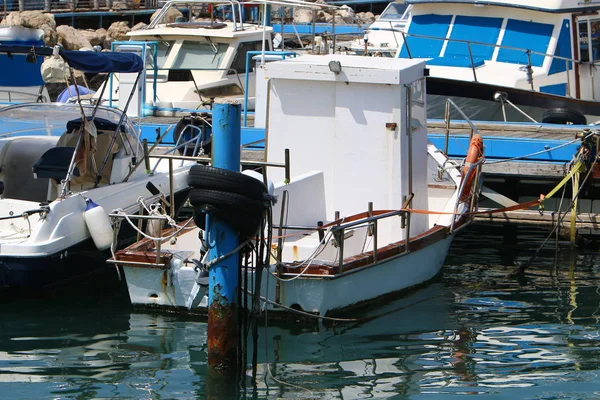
{"x": 110, "y": 61}
{"x": 85, "y": 61}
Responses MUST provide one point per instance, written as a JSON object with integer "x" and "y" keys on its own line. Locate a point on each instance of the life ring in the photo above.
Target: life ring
{"x": 474, "y": 154}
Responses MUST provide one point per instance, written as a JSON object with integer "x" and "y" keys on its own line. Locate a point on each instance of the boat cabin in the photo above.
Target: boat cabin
{"x": 549, "y": 46}
{"x": 195, "y": 59}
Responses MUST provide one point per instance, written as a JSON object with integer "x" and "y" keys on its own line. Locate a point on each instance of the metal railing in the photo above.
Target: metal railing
{"x": 527, "y": 68}
{"x": 236, "y": 10}
{"x": 474, "y": 168}
{"x": 11, "y": 96}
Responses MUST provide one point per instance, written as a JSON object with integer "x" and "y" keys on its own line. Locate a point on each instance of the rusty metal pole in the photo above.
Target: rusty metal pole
{"x": 222, "y": 239}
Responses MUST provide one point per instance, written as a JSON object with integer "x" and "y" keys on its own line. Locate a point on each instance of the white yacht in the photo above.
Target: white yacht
{"x": 537, "y": 54}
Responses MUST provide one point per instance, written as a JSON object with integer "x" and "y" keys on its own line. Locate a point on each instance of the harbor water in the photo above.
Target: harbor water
{"x": 472, "y": 332}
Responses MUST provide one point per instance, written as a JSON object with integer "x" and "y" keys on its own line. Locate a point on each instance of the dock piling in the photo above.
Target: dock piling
{"x": 222, "y": 239}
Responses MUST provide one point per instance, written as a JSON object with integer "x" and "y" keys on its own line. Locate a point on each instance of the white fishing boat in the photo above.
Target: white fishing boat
{"x": 539, "y": 55}
{"x": 383, "y": 36}
{"x": 371, "y": 208}
{"x": 62, "y": 169}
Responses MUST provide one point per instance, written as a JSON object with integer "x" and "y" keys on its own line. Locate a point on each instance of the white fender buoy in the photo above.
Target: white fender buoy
{"x": 98, "y": 224}
{"x": 258, "y": 176}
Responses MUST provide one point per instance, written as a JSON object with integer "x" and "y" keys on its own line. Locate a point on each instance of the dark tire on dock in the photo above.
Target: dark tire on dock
{"x": 222, "y": 180}
{"x": 563, "y": 116}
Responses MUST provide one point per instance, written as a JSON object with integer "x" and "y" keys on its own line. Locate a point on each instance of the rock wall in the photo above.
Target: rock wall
{"x": 75, "y": 39}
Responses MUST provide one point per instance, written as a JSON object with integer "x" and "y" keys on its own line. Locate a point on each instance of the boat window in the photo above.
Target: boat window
{"x": 200, "y": 55}
{"x": 563, "y": 49}
{"x": 221, "y": 91}
{"x": 433, "y": 25}
{"x": 584, "y": 42}
{"x": 595, "y": 40}
{"x": 478, "y": 29}
{"x": 161, "y": 53}
{"x": 416, "y": 91}
{"x": 239, "y": 63}
{"x": 394, "y": 11}
{"x": 525, "y": 35}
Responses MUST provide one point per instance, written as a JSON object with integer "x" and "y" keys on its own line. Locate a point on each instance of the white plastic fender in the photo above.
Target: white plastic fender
{"x": 258, "y": 176}
{"x": 98, "y": 224}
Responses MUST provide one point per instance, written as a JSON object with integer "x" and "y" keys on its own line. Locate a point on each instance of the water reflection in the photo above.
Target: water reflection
{"x": 472, "y": 332}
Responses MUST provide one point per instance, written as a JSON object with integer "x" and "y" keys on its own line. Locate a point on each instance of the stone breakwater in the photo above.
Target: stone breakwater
{"x": 78, "y": 39}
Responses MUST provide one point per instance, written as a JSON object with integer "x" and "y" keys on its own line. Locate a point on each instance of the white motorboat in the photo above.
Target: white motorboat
{"x": 58, "y": 162}
{"x": 370, "y": 211}
{"x": 383, "y": 36}
{"x": 193, "y": 60}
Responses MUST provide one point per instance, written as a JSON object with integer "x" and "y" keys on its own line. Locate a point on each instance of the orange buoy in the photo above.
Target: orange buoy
{"x": 474, "y": 154}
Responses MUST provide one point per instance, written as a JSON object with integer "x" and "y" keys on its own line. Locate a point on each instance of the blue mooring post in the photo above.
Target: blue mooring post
{"x": 222, "y": 239}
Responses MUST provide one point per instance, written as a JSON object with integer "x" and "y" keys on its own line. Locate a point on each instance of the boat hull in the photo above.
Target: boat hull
{"x": 476, "y": 99}
{"x": 357, "y": 287}
{"x": 48, "y": 270}
{"x": 173, "y": 287}
{"x": 52, "y": 270}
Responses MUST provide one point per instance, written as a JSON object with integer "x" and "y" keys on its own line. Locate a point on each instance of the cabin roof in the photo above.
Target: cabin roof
{"x": 557, "y": 6}
{"x": 226, "y": 32}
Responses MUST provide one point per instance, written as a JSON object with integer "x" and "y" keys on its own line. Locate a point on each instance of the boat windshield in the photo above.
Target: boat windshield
{"x": 190, "y": 54}
{"x": 49, "y": 119}
{"x": 394, "y": 11}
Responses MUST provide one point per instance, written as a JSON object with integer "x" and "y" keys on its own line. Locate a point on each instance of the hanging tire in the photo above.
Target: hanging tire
{"x": 245, "y": 224}
{"x": 217, "y": 179}
{"x": 563, "y": 116}
{"x": 226, "y": 201}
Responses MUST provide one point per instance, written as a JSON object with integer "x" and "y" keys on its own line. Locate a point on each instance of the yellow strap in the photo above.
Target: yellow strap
{"x": 578, "y": 165}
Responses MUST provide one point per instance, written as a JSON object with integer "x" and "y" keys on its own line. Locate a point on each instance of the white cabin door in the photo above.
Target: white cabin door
{"x": 588, "y": 31}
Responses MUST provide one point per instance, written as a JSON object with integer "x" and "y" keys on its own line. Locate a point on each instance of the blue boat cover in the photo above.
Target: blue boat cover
{"x": 85, "y": 61}
{"x": 110, "y": 61}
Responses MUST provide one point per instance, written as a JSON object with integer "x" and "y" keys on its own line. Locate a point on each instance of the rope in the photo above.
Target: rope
{"x": 310, "y": 260}
{"x": 539, "y": 152}
{"x": 306, "y": 314}
{"x": 155, "y": 210}
{"x": 126, "y": 217}
{"x": 521, "y": 269}
{"x": 227, "y": 255}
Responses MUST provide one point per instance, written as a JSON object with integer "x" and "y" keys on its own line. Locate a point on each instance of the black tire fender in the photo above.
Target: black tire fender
{"x": 563, "y": 116}
{"x": 217, "y": 179}
{"x": 245, "y": 224}
{"x": 226, "y": 201}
